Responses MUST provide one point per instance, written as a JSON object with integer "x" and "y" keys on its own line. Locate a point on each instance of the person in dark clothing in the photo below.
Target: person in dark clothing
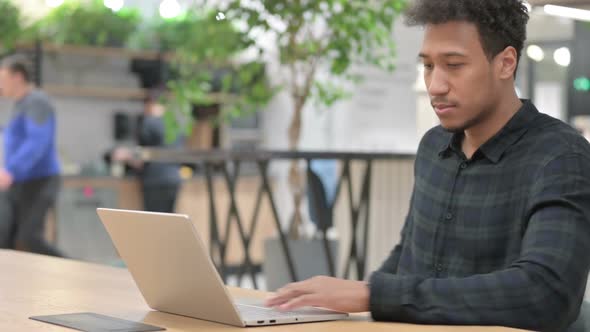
{"x": 498, "y": 231}
{"x": 160, "y": 181}
{"x": 30, "y": 177}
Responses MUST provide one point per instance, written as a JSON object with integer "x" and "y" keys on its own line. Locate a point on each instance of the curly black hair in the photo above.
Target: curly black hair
{"x": 501, "y": 23}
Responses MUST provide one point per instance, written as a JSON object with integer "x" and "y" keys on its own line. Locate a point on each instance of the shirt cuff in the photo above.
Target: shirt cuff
{"x": 386, "y": 297}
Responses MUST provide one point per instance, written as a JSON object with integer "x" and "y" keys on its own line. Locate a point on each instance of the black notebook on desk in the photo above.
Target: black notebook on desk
{"x": 91, "y": 322}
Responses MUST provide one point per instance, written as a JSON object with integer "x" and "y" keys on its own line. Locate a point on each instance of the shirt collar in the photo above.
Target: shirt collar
{"x": 494, "y": 148}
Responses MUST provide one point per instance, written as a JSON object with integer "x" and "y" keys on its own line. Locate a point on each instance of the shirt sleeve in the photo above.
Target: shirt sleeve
{"x": 39, "y": 132}
{"x": 542, "y": 290}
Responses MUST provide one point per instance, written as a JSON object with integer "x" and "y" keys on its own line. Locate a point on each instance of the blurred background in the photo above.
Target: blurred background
{"x": 234, "y": 83}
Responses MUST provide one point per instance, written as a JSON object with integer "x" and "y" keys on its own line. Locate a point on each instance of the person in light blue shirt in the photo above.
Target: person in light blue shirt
{"x": 29, "y": 179}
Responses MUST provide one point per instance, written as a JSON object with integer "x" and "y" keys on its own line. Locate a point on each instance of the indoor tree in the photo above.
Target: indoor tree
{"x": 315, "y": 35}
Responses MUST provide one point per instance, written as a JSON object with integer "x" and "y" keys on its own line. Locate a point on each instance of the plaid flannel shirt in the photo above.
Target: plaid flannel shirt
{"x": 500, "y": 239}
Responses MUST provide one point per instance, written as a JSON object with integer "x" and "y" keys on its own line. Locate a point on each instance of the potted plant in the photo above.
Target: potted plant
{"x": 88, "y": 23}
{"x": 315, "y": 36}
{"x": 13, "y": 31}
{"x": 157, "y": 34}
{"x": 207, "y": 84}
{"x": 9, "y": 25}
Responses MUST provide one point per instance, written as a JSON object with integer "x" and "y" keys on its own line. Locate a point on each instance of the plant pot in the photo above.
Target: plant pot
{"x": 201, "y": 137}
{"x": 206, "y": 112}
{"x": 309, "y": 257}
{"x": 204, "y": 135}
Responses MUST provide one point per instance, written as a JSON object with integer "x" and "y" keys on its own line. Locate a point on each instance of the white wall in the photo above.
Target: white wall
{"x": 380, "y": 115}
{"x": 85, "y": 125}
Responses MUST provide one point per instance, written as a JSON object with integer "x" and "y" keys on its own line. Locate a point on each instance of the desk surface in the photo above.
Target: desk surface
{"x": 32, "y": 285}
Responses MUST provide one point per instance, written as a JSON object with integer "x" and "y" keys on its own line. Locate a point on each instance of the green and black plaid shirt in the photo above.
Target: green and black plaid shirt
{"x": 500, "y": 239}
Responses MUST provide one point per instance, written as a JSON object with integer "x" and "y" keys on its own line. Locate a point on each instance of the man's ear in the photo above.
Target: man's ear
{"x": 506, "y": 63}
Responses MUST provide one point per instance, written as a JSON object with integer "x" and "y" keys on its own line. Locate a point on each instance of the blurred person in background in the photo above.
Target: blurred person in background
{"x": 29, "y": 181}
{"x": 160, "y": 181}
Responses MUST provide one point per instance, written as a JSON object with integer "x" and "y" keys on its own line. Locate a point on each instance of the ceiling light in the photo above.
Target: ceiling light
{"x": 562, "y": 56}
{"x": 54, "y": 3}
{"x": 535, "y": 52}
{"x": 576, "y": 14}
{"x": 114, "y": 5}
{"x": 170, "y": 9}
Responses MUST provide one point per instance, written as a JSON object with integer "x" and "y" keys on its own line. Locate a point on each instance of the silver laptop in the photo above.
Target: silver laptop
{"x": 175, "y": 274}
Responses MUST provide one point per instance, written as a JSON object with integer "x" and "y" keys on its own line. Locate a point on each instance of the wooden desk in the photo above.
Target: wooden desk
{"x": 33, "y": 285}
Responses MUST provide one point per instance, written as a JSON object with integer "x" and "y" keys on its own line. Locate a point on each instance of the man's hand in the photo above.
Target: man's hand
{"x": 330, "y": 293}
{"x": 5, "y": 180}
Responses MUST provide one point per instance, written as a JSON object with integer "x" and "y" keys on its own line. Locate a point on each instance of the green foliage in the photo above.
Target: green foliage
{"x": 200, "y": 34}
{"x": 311, "y": 35}
{"x": 336, "y": 34}
{"x": 10, "y": 26}
{"x": 88, "y": 23}
{"x": 207, "y": 71}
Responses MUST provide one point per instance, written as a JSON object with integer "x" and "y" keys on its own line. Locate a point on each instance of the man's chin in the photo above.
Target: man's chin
{"x": 454, "y": 129}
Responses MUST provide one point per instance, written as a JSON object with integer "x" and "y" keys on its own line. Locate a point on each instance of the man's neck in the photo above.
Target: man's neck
{"x": 23, "y": 92}
{"x": 476, "y": 136}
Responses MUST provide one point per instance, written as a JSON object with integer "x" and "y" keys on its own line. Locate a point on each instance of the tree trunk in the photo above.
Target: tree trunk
{"x": 296, "y": 180}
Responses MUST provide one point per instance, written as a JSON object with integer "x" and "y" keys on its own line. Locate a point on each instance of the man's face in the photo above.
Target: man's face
{"x": 153, "y": 108}
{"x": 8, "y": 82}
{"x": 460, "y": 78}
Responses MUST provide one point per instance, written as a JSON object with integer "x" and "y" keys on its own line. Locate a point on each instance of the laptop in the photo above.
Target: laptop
{"x": 175, "y": 274}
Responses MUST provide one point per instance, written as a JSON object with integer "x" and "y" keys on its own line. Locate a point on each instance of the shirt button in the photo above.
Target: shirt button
{"x": 439, "y": 268}
{"x": 463, "y": 165}
{"x": 449, "y": 216}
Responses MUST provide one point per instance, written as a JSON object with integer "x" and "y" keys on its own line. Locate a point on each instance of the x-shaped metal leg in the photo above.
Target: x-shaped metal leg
{"x": 231, "y": 181}
{"x": 263, "y": 167}
{"x": 357, "y": 250}
{"x": 357, "y": 255}
{"x": 215, "y": 241}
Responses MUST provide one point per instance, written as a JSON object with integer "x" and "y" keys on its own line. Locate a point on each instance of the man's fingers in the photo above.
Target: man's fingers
{"x": 282, "y": 296}
{"x": 292, "y": 291}
{"x": 301, "y": 301}
{"x": 276, "y": 301}
{"x": 301, "y": 286}
{"x": 289, "y": 292}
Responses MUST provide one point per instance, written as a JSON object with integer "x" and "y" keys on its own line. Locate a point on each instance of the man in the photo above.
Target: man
{"x": 498, "y": 231}
{"x": 160, "y": 181}
{"x": 30, "y": 177}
